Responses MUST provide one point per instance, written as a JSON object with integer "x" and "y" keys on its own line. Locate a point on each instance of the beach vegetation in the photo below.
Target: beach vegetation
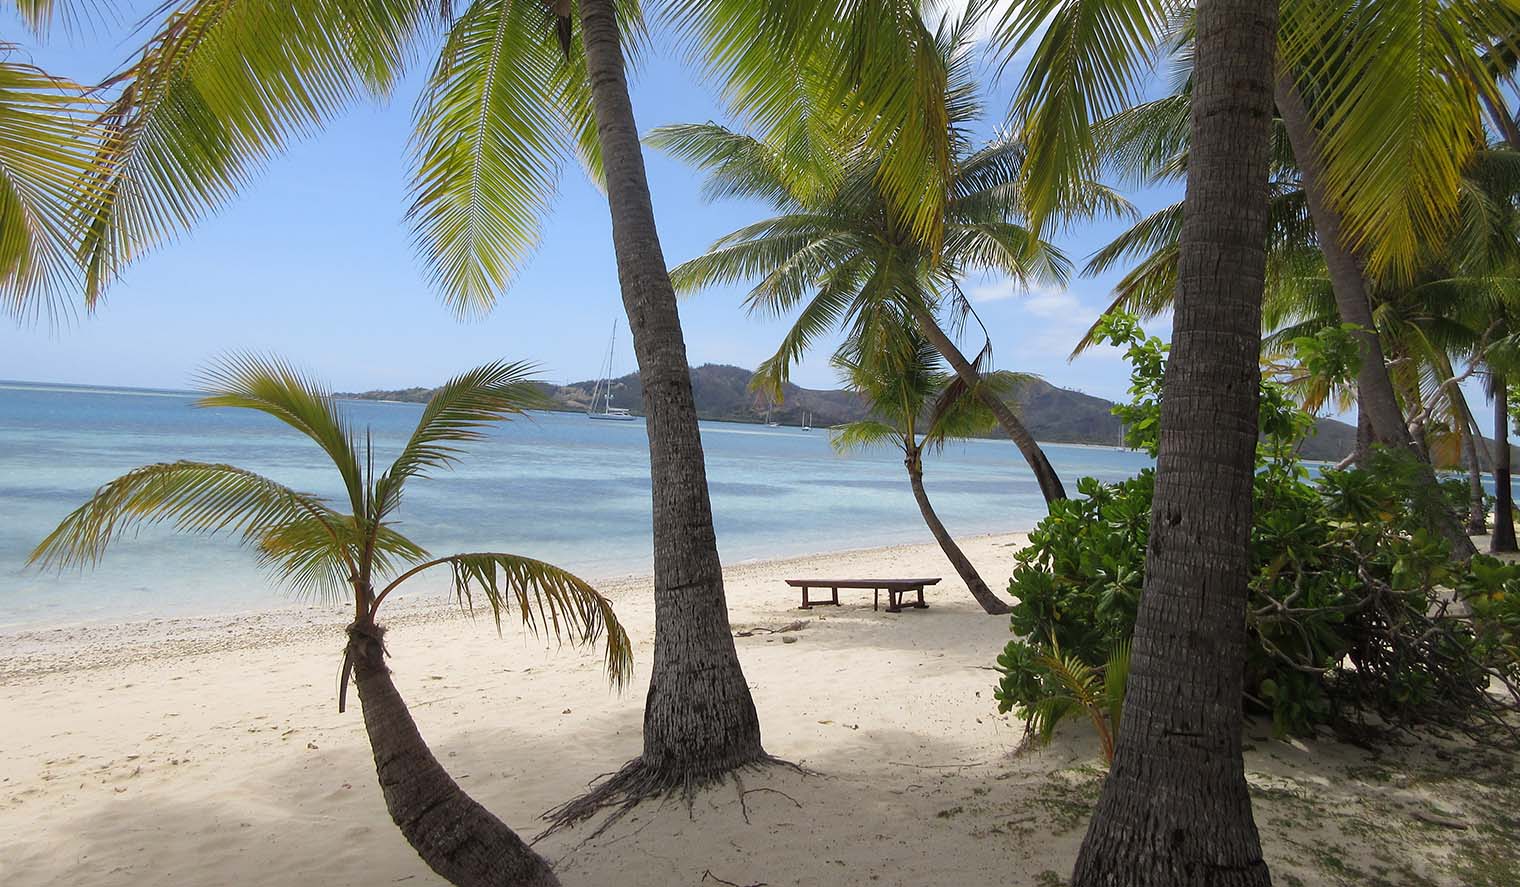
{"x": 1359, "y": 619}
{"x": 917, "y": 408}
{"x": 354, "y": 552}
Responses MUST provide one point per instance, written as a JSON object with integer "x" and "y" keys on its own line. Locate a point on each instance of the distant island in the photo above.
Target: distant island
{"x": 1053, "y": 414}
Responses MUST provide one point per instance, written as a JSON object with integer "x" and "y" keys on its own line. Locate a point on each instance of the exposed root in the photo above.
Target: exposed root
{"x": 636, "y": 783}
{"x": 744, "y": 804}
{"x": 708, "y": 875}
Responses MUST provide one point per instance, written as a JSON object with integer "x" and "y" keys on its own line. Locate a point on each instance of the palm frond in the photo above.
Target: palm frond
{"x": 864, "y": 434}
{"x": 548, "y": 600}
{"x": 873, "y": 70}
{"x": 1398, "y": 113}
{"x": 221, "y": 86}
{"x": 491, "y": 138}
{"x": 45, "y": 152}
{"x": 314, "y": 557}
{"x": 195, "y": 497}
{"x": 741, "y": 166}
{"x": 835, "y": 300}
{"x": 1086, "y": 65}
{"x": 272, "y": 386}
{"x": 456, "y": 413}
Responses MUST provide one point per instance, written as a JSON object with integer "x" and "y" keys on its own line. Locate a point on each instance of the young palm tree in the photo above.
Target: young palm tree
{"x": 1175, "y": 809}
{"x": 355, "y": 551}
{"x": 840, "y": 246}
{"x": 915, "y": 407}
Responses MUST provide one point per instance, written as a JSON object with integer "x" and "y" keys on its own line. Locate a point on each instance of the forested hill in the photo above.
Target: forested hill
{"x": 1055, "y": 415}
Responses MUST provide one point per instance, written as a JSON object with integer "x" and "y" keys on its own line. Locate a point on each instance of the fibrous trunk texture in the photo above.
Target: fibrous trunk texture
{"x": 990, "y": 602}
{"x": 1044, "y": 473}
{"x": 1503, "y": 538}
{"x": 459, "y": 839}
{"x": 699, "y": 719}
{"x": 1175, "y": 810}
{"x": 1472, "y": 445}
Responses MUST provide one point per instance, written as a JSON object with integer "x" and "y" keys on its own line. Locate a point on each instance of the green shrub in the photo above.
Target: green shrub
{"x": 1352, "y": 616}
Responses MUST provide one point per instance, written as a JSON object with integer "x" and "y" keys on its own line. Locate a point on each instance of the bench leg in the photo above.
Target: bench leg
{"x": 806, "y": 604}
{"x": 921, "y": 605}
{"x": 894, "y": 601}
{"x": 875, "y": 598}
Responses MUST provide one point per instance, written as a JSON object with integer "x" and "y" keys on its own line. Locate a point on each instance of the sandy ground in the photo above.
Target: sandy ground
{"x": 211, "y": 751}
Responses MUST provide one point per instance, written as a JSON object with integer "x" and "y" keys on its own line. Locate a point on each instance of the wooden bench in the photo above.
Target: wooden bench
{"x": 895, "y": 589}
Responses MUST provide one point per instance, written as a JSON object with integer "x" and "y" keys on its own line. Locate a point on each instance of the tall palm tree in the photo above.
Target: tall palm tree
{"x": 915, "y": 407}
{"x": 1374, "y": 215}
{"x": 840, "y": 247}
{"x": 1175, "y": 808}
{"x": 359, "y": 553}
{"x": 518, "y": 87}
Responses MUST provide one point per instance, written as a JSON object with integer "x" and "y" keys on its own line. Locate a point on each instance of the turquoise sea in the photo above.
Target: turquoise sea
{"x": 556, "y": 486}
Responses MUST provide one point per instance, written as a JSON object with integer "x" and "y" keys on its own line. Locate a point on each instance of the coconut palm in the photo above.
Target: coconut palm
{"x": 1175, "y": 808}
{"x": 839, "y": 247}
{"x": 517, "y": 87}
{"x": 916, "y": 408}
{"x": 1335, "y": 150}
{"x": 354, "y": 550}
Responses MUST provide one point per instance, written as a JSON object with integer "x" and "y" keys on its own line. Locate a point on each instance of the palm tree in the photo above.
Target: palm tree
{"x": 1175, "y": 808}
{"x": 317, "y": 548}
{"x": 915, "y": 407}
{"x": 1374, "y": 216}
{"x": 841, "y": 248}
{"x": 517, "y": 88}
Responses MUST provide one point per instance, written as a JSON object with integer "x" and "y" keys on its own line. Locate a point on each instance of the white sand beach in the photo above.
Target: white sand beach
{"x": 211, "y": 751}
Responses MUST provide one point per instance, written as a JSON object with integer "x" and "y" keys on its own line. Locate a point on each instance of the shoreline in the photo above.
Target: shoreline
{"x": 210, "y": 751}
{"x": 85, "y": 645}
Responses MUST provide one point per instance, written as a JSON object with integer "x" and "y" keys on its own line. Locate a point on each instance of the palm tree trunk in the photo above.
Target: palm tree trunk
{"x": 1375, "y": 393}
{"x": 1503, "y": 538}
{"x": 1363, "y": 433}
{"x": 454, "y": 835}
{"x": 699, "y": 718}
{"x": 990, "y": 602}
{"x": 1050, "y": 482}
{"x": 1175, "y": 809}
{"x": 1477, "y": 514}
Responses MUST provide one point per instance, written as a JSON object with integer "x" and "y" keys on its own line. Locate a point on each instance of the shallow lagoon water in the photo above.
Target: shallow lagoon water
{"x": 555, "y": 486}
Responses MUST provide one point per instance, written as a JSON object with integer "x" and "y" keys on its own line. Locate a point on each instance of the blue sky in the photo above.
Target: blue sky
{"x": 314, "y": 261}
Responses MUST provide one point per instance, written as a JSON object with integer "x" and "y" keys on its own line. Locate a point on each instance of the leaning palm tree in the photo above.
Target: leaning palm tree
{"x": 840, "y": 247}
{"x": 355, "y": 551}
{"x": 915, "y": 407}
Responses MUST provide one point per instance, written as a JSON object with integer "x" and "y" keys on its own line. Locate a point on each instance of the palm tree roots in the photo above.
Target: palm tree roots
{"x": 637, "y": 782}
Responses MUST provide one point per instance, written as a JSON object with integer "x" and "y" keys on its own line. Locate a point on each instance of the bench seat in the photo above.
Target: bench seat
{"x": 895, "y": 589}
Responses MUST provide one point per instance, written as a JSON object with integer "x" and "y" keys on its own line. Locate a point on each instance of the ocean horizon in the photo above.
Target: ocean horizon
{"x": 554, "y": 486}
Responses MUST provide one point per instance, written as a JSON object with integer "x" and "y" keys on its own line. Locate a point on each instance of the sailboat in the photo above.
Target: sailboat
{"x": 807, "y": 421}
{"x": 601, "y": 396}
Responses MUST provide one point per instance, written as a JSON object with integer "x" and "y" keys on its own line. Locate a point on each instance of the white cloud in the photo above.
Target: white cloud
{"x": 1040, "y": 300}
{"x": 935, "y": 9}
